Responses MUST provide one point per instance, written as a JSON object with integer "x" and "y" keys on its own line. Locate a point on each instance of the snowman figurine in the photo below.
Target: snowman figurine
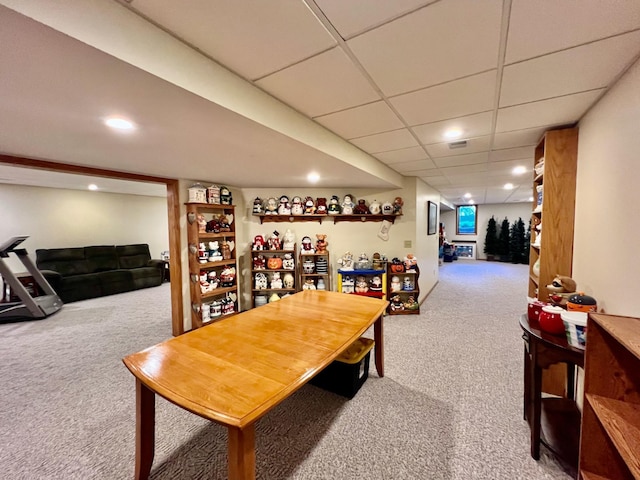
{"x": 285, "y": 207}
{"x": 297, "y": 208}
{"x": 334, "y": 207}
{"x": 395, "y": 284}
{"x": 347, "y": 205}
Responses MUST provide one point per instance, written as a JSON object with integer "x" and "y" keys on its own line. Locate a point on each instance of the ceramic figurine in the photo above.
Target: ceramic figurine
{"x": 375, "y": 207}
{"x": 212, "y": 278}
{"x": 274, "y": 297}
{"x": 396, "y": 303}
{"x": 274, "y": 241}
{"x": 288, "y": 240}
{"x": 225, "y": 248}
{"x": 346, "y": 262}
{"x": 257, "y": 206}
{"x": 347, "y": 205}
{"x": 297, "y": 208}
{"x": 321, "y": 243}
{"x": 308, "y": 266}
{"x": 307, "y": 245}
{"x": 397, "y": 266}
{"x": 287, "y": 280}
{"x": 213, "y": 225}
{"x": 260, "y": 281}
{"x": 321, "y": 285}
{"x": 288, "y": 263}
{"x": 334, "y": 206}
{"x": 214, "y": 252}
{"x": 285, "y": 207}
{"x": 202, "y": 223}
{"x": 363, "y": 262}
{"x": 225, "y": 196}
{"x": 259, "y": 262}
{"x": 407, "y": 284}
{"x": 203, "y": 255}
{"x": 410, "y": 262}
{"x": 213, "y": 194}
{"x": 375, "y": 284}
{"x": 309, "y": 206}
{"x": 397, "y": 205}
{"x": 216, "y": 309}
{"x": 258, "y": 243}
{"x": 348, "y": 285}
{"x": 276, "y": 281}
{"x": 395, "y": 284}
{"x": 197, "y": 193}
{"x": 387, "y": 208}
{"x": 223, "y": 223}
{"x": 411, "y": 304}
{"x": 228, "y": 276}
{"x": 361, "y": 284}
{"x": 321, "y": 206}
{"x": 271, "y": 208}
{"x": 274, "y": 263}
{"x": 378, "y": 262}
{"x": 361, "y": 208}
{"x": 309, "y": 285}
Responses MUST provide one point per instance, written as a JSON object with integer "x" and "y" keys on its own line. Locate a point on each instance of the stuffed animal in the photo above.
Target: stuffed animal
{"x": 321, "y": 206}
{"x": 321, "y": 243}
{"x": 361, "y": 208}
{"x": 561, "y": 289}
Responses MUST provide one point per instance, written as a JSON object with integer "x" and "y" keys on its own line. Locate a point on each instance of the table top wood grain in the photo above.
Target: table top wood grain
{"x": 234, "y": 371}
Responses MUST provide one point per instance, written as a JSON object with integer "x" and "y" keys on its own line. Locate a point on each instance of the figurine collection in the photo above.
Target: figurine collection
{"x": 320, "y": 206}
{"x": 214, "y": 194}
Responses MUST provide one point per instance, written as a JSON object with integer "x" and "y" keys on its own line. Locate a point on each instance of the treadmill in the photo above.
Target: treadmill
{"x": 30, "y": 308}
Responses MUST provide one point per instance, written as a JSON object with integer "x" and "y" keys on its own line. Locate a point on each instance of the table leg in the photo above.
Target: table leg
{"x": 378, "y": 336}
{"x": 536, "y": 392}
{"x": 145, "y": 430}
{"x": 242, "y": 453}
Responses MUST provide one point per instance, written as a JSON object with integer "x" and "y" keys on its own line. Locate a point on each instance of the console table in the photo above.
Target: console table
{"x": 554, "y": 421}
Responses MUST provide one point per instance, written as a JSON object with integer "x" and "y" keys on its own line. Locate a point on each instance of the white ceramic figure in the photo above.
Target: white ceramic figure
{"x": 346, "y": 262}
{"x": 285, "y": 207}
{"x": 260, "y": 281}
{"x": 288, "y": 240}
{"x": 321, "y": 285}
{"x": 257, "y": 206}
{"x": 214, "y": 252}
{"x": 387, "y": 208}
{"x": 271, "y": 208}
{"x": 375, "y": 207}
{"x": 309, "y": 285}
{"x": 347, "y": 205}
{"x": 361, "y": 284}
{"x": 307, "y": 245}
{"x": 396, "y": 286}
{"x": 287, "y": 280}
{"x": 407, "y": 284}
{"x": 348, "y": 284}
{"x": 297, "y": 208}
{"x": 288, "y": 263}
{"x": 276, "y": 281}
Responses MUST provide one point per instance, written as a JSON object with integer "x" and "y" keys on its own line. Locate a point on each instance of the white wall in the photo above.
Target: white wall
{"x": 355, "y": 237}
{"x": 512, "y": 211}
{"x": 606, "y": 263}
{"x": 59, "y": 218}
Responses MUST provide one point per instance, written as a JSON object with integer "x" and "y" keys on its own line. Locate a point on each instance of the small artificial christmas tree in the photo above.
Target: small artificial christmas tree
{"x": 503, "y": 241}
{"x": 517, "y": 241}
{"x": 491, "y": 239}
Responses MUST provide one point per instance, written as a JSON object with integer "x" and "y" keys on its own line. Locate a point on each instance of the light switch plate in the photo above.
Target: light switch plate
{"x": 407, "y": 244}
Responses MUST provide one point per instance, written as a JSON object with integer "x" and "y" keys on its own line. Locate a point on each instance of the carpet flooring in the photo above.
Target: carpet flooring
{"x": 449, "y": 406}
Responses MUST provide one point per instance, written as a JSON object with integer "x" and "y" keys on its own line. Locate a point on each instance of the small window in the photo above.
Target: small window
{"x": 467, "y": 220}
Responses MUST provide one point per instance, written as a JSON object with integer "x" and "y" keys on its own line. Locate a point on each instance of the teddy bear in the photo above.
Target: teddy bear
{"x": 321, "y": 206}
{"x": 321, "y": 243}
{"x": 561, "y": 289}
{"x": 361, "y": 208}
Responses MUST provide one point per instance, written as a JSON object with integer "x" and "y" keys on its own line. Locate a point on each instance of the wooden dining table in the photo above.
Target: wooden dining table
{"x": 236, "y": 370}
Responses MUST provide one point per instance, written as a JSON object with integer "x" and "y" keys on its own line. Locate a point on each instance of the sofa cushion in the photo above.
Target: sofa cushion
{"x": 102, "y": 258}
{"x": 65, "y": 261}
{"x": 80, "y": 287}
{"x": 133, "y": 256}
{"x": 146, "y": 277}
{"x": 116, "y": 281}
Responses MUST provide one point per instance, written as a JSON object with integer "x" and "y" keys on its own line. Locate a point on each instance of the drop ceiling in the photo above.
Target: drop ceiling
{"x": 368, "y": 87}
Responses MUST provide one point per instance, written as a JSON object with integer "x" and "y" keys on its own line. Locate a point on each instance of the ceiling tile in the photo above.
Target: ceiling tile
{"x": 450, "y": 100}
{"x": 529, "y": 136}
{"x": 497, "y": 195}
{"x": 441, "y": 42}
{"x": 355, "y": 16}
{"x": 476, "y": 125}
{"x": 575, "y": 70}
{"x": 506, "y": 168}
{"x": 464, "y": 170}
{"x": 429, "y": 172}
{"x": 251, "y": 38}
{"x": 537, "y": 27}
{"x": 360, "y": 121}
{"x": 383, "y": 142}
{"x": 436, "y": 181}
{"x": 474, "y": 145}
{"x": 402, "y": 155}
{"x": 308, "y": 87}
{"x": 406, "y": 167}
{"x": 472, "y": 158}
{"x": 465, "y": 181}
{"x": 518, "y": 153}
{"x": 555, "y": 111}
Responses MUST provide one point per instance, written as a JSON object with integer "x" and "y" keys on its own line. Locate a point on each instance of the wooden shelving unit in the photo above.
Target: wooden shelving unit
{"x": 269, "y": 273}
{"x": 319, "y": 218}
{"x": 403, "y": 293}
{"x": 347, "y": 282}
{"x": 224, "y": 293}
{"x": 314, "y": 276}
{"x": 610, "y": 436}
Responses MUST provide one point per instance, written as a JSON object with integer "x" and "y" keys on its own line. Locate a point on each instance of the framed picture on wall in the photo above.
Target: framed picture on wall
{"x": 433, "y": 219}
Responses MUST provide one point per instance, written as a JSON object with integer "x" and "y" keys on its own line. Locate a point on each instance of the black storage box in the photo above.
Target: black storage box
{"x": 348, "y": 372}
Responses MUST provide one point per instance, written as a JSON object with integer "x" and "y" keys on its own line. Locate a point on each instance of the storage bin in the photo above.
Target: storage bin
{"x": 349, "y": 371}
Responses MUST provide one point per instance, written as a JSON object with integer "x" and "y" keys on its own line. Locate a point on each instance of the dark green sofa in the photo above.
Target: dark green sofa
{"x": 89, "y": 272}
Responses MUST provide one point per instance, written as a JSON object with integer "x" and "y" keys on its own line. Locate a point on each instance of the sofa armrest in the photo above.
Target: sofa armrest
{"x": 53, "y": 278}
{"x": 159, "y": 264}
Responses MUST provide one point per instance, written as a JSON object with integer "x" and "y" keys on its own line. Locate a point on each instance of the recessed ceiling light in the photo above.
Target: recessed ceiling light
{"x": 508, "y": 186}
{"x": 519, "y": 170}
{"x": 119, "y": 123}
{"x": 467, "y": 195}
{"x": 93, "y": 186}
{"x": 452, "y": 133}
{"x": 471, "y": 202}
{"x": 313, "y": 177}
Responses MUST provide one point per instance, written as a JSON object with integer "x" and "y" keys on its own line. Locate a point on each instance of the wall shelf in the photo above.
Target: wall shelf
{"x": 319, "y": 218}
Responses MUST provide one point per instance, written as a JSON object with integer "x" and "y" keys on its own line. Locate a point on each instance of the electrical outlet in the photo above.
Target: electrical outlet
{"x": 407, "y": 244}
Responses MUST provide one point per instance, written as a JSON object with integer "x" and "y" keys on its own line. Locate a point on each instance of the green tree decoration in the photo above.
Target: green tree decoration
{"x": 517, "y": 241}
{"x": 491, "y": 239}
{"x": 503, "y": 241}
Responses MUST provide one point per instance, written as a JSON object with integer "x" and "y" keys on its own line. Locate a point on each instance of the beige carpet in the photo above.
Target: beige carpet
{"x": 449, "y": 407}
